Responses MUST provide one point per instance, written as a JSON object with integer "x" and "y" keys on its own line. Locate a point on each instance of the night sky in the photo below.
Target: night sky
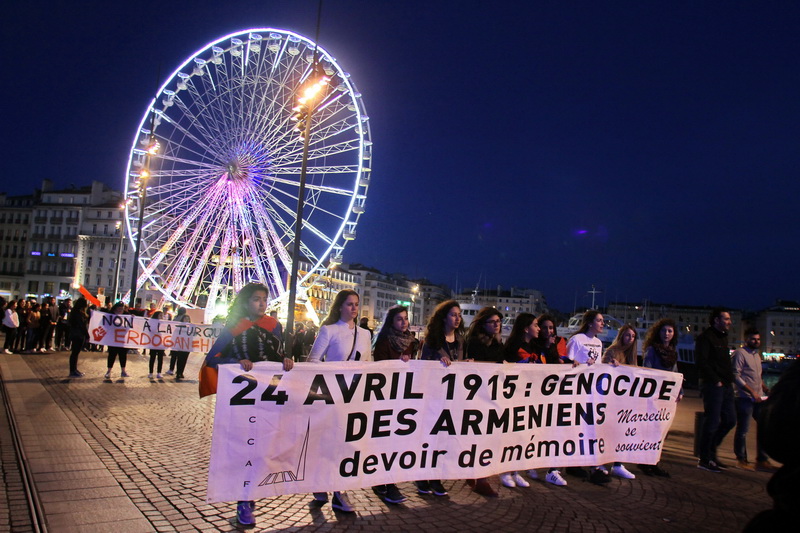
{"x": 647, "y": 148}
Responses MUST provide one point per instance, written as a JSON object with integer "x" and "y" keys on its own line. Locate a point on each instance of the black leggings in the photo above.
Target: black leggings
{"x": 153, "y": 355}
{"x": 77, "y": 346}
{"x": 180, "y": 358}
{"x": 113, "y": 352}
{"x": 11, "y": 336}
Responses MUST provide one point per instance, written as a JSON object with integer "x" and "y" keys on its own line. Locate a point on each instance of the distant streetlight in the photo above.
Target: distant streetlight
{"x": 414, "y": 291}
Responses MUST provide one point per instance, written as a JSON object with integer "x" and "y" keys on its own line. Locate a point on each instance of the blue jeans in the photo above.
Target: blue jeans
{"x": 746, "y": 408}
{"x": 720, "y": 418}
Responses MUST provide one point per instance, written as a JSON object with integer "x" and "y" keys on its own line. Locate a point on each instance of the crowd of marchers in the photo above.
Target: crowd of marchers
{"x": 732, "y": 387}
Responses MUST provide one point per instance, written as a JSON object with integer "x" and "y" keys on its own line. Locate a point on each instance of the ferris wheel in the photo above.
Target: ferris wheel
{"x": 215, "y": 170}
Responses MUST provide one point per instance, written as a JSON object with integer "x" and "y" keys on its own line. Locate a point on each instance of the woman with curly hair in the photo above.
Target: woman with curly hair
{"x": 444, "y": 334}
{"x": 660, "y": 352}
{"x": 484, "y": 345}
{"x": 444, "y": 341}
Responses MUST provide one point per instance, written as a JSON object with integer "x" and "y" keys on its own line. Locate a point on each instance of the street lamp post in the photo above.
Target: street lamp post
{"x": 303, "y": 113}
{"x": 152, "y": 149}
{"x": 119, "y": 258}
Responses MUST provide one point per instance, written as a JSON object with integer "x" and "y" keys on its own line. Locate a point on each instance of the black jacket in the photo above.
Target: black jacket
{"x": 713, "y": 357}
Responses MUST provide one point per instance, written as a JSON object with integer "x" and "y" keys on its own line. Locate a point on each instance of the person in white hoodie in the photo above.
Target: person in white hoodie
{"x": 10, "y": 325}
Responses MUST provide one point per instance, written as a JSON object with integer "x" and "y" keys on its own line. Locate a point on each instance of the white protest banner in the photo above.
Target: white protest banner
{"x": 345, "y": 425}
{"x": 127, "y": 331}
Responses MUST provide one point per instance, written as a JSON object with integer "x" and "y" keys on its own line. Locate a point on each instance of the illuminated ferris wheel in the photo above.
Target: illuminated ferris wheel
{"x": 215, "y": 169}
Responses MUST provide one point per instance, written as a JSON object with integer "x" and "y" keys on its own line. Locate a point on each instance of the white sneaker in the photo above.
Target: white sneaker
{"x": 621, "y": 471}
{"x": 169, "y": 372}
{"x": 108, "y": 375}
{"x": 533, "y": 474}
{"x": 158, "y": 376}
{"x": 555, "y": 478}
{"x": 519, "y": 481}
{"x": 507, "y": 480}
{"x": 8, "y": 352}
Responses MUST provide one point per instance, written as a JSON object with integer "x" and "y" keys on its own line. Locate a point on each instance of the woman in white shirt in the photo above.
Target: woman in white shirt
{"x": 341, "y": 339}
{"x": 584, "y": 348}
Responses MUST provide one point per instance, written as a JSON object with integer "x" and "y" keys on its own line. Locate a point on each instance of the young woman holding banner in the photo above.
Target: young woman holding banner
{"x": 444, "y": 341}
{"x": 585, "y": 348}
{"x": 521, "y": 348}
{"x": 122, "y": 353}
{"x": 660, "y": 352}
{"x": 394, "y": 341}
{"x": 341, "y": 339}
{"x": 249, "y": 337}
{"x": 622, "y": 352}
{"x": 180, "y": 357}
{"x": 484, "y": 345}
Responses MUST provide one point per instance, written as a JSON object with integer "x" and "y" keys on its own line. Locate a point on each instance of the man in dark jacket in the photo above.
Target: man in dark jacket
{"x": 716, "y": 372}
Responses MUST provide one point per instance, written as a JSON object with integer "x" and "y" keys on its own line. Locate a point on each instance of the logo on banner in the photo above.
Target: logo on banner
{"x": 98, "y": 333}
{"x": 291, "y": 475}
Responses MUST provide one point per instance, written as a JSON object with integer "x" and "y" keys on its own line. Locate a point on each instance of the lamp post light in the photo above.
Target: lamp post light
{"x": 144, "y": 174}
{"x": 119, "y": 258}
{"x": 414, "y": 291}
{"x": 303, "y": 112}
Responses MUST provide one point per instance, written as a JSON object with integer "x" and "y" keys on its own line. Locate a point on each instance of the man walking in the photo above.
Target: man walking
{"x": 716, "y": 372}
{"x": 750, "y": 390}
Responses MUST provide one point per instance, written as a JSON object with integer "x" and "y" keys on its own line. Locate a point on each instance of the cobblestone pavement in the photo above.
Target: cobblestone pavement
{"x": 14, "y": 508}
{"x": 154, "y": 438}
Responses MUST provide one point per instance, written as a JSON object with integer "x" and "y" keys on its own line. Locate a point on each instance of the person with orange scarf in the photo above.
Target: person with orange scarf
{"x": 250, "y": 336}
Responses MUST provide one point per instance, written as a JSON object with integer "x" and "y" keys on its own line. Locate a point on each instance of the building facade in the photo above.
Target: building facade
{"x": 379, "y": 291}
{"x": 509, "y": 302}
{"x": 59, "y": 240}
{"x": 779, "y": 327}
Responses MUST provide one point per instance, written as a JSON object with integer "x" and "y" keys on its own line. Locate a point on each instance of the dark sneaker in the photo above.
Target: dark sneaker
{"x": 599, "y": 477}
{"x": 321, "y": 497}
{"x": 393, "y": 495}
{"x": 76, "y": 374}
{"x": 342, "y": 503}
{"x": 647, "y": 469}
{"x": 437, "y": 487}
{"x": 379, "y": 490}
{"x": 483, "y": 488}
{"x": 766, "y": 466}
{"x": 711, "y": 466}
{"x": 423, "y": 487}
{"x": 244, "y": 514}
{"x": 720, "y": 464}
{"x": 577, "y": 472}
{"x": 658, "y": 471}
